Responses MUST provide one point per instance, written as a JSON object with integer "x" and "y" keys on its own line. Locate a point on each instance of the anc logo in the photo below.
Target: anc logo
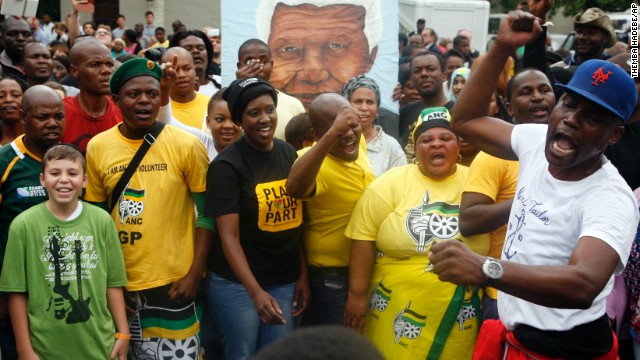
{"x": 467, "y": 312}
{"x": 408, "y": 323}
{"x": 379, "y": 298}
{"x": 131, "y": 204}
{"x": 432, "y": 220}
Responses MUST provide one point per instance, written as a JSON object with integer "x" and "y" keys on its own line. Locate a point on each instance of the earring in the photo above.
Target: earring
{"x": 459, "y": 157}
{"x": 415, "y": 161}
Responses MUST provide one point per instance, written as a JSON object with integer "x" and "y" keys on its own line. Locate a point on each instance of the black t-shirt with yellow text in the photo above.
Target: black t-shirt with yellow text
{"x": 248, "y": 182}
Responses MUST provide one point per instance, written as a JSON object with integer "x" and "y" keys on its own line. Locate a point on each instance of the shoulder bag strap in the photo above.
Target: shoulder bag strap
{"x": 149, "y": 139}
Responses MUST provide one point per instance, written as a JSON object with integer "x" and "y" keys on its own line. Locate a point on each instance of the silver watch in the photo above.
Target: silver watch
{"x": 492, "y": 269}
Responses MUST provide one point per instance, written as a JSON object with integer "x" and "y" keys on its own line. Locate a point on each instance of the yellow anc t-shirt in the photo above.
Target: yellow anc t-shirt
{"x": 339, "y": 185}
{"x": 193, "y": 112}
{"x": 155, "y": 215}
{"x": 497, "y": 179}
{"x": 404, "y": 213}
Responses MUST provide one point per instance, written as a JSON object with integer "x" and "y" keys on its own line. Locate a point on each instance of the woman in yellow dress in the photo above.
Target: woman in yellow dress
{"x": 394, "y": 297}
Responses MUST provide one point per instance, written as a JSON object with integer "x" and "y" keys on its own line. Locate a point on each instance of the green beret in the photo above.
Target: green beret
{"x": 133, "y": 68}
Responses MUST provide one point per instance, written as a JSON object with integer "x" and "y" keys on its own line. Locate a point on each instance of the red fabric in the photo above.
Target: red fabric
{"x": 80, "y": 127}
{"x": 491, "y": 342}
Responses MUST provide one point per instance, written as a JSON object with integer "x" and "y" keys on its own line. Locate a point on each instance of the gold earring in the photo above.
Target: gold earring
{"x": 459, "y": 157}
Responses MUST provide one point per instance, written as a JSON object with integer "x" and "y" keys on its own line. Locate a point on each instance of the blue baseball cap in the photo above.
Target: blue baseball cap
{"x": 606, "y": 84}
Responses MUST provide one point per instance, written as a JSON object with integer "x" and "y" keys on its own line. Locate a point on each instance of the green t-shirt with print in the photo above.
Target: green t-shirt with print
{"x": 65, "y": 267}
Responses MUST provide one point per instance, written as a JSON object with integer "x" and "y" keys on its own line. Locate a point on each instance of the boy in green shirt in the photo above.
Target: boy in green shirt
{"x": 63, "y": 260}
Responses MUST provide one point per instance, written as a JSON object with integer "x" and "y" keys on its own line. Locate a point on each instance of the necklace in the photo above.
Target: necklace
{"x": 95, "y": 115}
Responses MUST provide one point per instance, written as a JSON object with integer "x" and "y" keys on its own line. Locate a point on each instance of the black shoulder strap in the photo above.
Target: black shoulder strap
{"x": 149, "y": 139}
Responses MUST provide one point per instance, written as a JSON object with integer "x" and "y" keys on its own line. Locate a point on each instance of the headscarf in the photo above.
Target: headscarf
{"x": 359, "y": 82}
{"x": 464, "y": 72}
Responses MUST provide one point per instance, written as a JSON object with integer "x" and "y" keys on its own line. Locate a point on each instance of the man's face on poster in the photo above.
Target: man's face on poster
{"x": 318, "y": 49}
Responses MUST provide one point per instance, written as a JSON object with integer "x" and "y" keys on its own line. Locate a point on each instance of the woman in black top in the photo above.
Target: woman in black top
{"x": 258, "y": 280}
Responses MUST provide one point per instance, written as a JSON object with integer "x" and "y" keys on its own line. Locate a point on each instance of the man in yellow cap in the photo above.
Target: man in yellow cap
{"x": 154, "y": 214}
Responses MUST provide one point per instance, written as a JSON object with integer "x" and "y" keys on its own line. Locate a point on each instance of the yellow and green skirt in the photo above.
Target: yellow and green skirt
{"x": 413, "y": 315}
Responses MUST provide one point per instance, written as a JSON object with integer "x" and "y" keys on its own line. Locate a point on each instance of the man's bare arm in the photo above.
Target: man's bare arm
{"x": 469, "y": 118}
{"x": 301, "y": 182}
{"x": 73, "y": 23}
{"x": 571, "y": 286}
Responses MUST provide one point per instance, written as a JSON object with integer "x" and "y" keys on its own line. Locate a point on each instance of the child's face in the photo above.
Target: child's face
{"x": 223, "y": 130}
{"x": 117, "y": 46}
{"x": 64, "y": 180}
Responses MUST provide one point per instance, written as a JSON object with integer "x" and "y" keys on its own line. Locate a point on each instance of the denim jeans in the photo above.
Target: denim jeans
{"x": 209, "y": 337}
{"x": 237, "y": 320}
{"x": 329, "y": 289}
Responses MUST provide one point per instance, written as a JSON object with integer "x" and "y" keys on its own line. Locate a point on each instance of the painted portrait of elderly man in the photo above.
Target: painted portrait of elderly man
{"x": 319, "y": 45}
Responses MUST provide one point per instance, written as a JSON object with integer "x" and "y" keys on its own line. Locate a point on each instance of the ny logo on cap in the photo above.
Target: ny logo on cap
{"x": 599, "y": 76}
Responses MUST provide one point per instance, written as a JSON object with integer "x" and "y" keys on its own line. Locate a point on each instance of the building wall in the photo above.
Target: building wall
{"x": 196, "y": 14}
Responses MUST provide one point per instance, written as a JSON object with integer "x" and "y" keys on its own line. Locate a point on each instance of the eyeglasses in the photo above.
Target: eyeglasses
{"x": 103, "y": 33}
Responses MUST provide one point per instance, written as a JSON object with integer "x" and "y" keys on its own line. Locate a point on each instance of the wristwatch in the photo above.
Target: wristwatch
{"x": 492, "y": 269}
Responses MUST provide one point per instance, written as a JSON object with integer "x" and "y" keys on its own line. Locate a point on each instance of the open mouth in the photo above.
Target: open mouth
{"x": 9, "y": 108}
{"x": 437, "y": 158}
{"x": 264, "y": 131}
{"x": 563, "y": 145}
{"x": 539, "y": 111}
{"x": 227, "y": 136}
{"x": 52, "y": 135}
{"x": 349, "y": 145}
{"x": 143, "y": 114}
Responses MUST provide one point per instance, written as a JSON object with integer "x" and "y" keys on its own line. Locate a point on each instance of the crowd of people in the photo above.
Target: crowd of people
{"x": 146, "y": 212}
